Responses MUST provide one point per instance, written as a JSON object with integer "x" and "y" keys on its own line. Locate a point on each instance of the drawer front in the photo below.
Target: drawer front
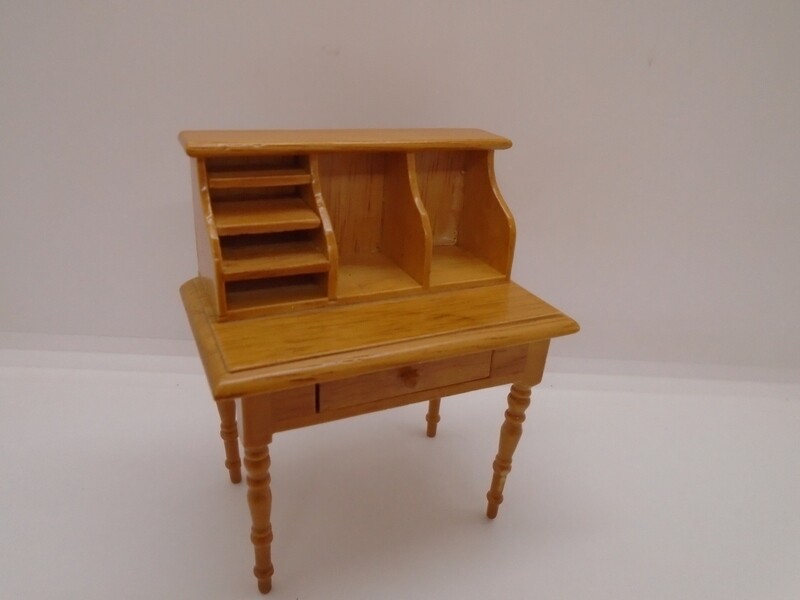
{"x": 403, "y": 380}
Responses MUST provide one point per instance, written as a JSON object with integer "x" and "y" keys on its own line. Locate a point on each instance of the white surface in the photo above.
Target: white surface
{"x": 654, "y": 175}
{"x": 112, "y": 486}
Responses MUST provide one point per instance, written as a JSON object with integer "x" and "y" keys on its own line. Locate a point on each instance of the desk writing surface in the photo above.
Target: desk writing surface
{"x": 349, "y": 339}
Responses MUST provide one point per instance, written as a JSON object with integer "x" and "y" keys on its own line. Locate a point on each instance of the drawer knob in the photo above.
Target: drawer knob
{"x": 409, "y": 376}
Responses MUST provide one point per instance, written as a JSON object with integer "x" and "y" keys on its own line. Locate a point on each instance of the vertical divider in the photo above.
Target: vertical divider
{"x": 331, "y": 248}
{"x": 406, "y": 229}
{"x": 209, "y": 253}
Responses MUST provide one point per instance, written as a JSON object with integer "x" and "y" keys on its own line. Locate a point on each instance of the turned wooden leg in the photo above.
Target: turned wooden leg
{"x": 518, "y": 400}
{"x": 229, "y": 433}
{"x": 259, "y": 499}
{"x": 433, "y": 417}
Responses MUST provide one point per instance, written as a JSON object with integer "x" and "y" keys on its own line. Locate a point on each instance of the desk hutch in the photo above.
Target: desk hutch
{"x": 343, "y": 272}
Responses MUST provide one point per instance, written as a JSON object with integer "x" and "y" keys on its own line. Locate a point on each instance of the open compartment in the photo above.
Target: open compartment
{"x": 381, "y": 232}
{"x": 254, "y": 256}
{"x": 251, "y": 297}
{"x": 472, "y": 229}
{"x": 273, "y": 249}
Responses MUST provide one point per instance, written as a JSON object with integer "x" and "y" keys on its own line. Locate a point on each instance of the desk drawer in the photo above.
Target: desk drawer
{"x": 403, "y": 380}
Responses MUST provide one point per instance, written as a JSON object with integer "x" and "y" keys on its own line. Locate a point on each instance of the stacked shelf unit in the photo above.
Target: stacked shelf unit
{"x": 287, "y": 220}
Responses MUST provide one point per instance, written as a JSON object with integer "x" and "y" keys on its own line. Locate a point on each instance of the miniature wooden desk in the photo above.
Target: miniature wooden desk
{"x": 346, "y": 272}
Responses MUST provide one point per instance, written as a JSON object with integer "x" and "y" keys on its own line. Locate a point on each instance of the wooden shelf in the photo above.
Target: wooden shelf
{"x": 288, "y": 218}
{"x": 372, "y": 275}
{"x": 264, "y": 258}
{"x": 271, "y": 215}
{"x": 452, "y": 266}
{"x": 257, "y": 179}
{"x": 253, "y": 295}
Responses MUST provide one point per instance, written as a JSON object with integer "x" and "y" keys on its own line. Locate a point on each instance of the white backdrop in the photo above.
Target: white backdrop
{"x": 655, "y": 173}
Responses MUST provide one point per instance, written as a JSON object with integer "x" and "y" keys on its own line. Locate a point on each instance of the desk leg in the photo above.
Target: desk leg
{"x": 229, "y": 432}
{"x": 259, "y": 498}
{"x": 518, "y": 400}
{"x": 433, "y": 417}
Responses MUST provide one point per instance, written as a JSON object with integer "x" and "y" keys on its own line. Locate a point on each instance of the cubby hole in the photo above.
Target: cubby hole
{"x": 252, "y": 256}
{"x": 378, "y": 228}
{"x": 256, "y": 294}
{"x": 472, "y": 234}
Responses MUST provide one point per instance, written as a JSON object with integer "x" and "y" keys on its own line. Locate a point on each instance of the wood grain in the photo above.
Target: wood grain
{"x": 487, "y": 228}
{"x": 209, "y": 255}
{"x": 229, "y": 432}
{"x": 234, "y": 142}
{"x": 441, "y": 185}
{"x": 310, "y": 347}
{"x": 352, "y": 186}
{"x": 401, "y": 380}
{"x": 405, "y": 230}
{"x": 272, "y": 215}
{"x": 510, "y": 433}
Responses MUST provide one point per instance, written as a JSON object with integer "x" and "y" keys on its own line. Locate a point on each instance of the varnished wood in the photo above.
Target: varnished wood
{"x": 259, "y": 499}
{"x": 403, "y": 380}
{"x": 326, "y": 235}
{"x": 346, "y": 272}
{"x": 487, "y": 227}
{"x": 374, "y": 276}
{"x": 510, "y": 433}
{"x": 236, "y": 217}
{"x": 375, "y": 405}
{"x": 216, "y": 143}
{"x": 238, "y": 360}
{"x": 256, "y": 435}
{"x": 209, "y": 254}
{"x": 266, "y": 259}
{"x": 454, "y": 267}
{"x": 258, "y": 179}
{"x": 507, "y": 361}
{"x": 229, "y": 433}
{"x": 405, "y": 230}
{"x": 433, "y": 418}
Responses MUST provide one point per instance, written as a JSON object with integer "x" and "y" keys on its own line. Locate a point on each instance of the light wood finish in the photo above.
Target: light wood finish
{"x": 510, "y": 433}
{"x": 405, "y": 230}
{"x": 209, "y": 255}
{"x": 259, "y": 499}
{"x": 403, "y": 380}
{"x": 247, "y": 298}
{"x": 248, "y": 143}
{"x": 346, "y": 272}
{"x": 372, "y": 276}
{"x": 441, "y": 186}
{"x": 433, "y": 418}
{"x": 487, "y": 228}
{"x": 264, "y": 216}
{"x": 453, "y": 266}
{"x": 266, "y": 259}
{"x": 393, "y": 212}
{"x": 508, "y": 361}
{"x": 327, "y": 238}
{"x": 312, "y": 347}
{"x": 229, "y": 433}
{"x": 258, "y": 179}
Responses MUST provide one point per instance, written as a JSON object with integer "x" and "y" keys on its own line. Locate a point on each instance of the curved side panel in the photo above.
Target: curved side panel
{"x": 209, "y": 254}
{"x": 487, "y": 227}
{"x": 328, "y": 238}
